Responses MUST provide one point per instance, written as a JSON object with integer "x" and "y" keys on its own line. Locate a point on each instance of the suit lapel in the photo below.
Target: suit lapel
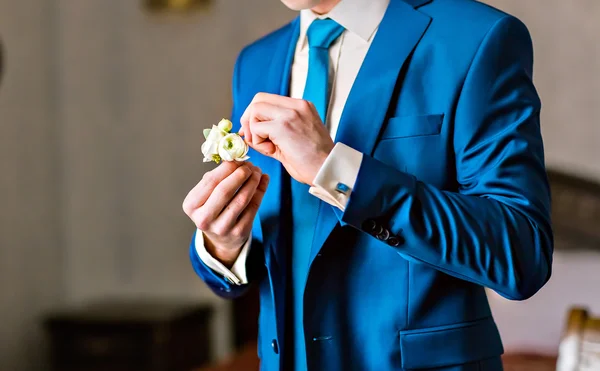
{"x": 275, "y": 204}
{"x": 366, "y": 108}
{"x": 399, "y": 33}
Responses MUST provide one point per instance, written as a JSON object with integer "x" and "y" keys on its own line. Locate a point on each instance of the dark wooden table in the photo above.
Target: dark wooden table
{"x": 245, "y": 360}
{"x": 126, "y": 335}
{"x": 529, "y": 362}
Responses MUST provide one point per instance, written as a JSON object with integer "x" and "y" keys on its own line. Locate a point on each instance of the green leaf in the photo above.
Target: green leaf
{"x": 206, "y": 132}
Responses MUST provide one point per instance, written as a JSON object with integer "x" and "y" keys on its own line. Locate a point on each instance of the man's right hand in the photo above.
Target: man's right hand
{"x": 223, "y": 206}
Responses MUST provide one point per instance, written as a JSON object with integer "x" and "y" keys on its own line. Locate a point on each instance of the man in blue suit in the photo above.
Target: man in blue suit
{"x": 398, "y": 170}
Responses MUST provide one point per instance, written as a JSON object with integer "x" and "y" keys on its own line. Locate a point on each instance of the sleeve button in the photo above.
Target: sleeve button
{"x": 378, "y": 230}
{"x": 275, "y": 346}
{"x": 369, "y": 226}
{"x": 384, "y": 235}
{"x": 395, "y": 241}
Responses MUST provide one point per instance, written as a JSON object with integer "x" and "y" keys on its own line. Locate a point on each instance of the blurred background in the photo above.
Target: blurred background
{"x": 102, "y": 106}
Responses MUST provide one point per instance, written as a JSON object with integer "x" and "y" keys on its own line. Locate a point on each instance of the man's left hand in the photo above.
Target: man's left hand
{"x": 290, "y": 131}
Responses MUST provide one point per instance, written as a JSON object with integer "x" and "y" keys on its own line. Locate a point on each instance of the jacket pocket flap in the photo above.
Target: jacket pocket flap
{"x": 412, "y": 126}
{"x": 450, "y": 345}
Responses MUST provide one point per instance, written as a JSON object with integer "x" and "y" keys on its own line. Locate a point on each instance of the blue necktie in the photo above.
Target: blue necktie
{"x": 321, "y": 34}
{"x": 305, "y": 207}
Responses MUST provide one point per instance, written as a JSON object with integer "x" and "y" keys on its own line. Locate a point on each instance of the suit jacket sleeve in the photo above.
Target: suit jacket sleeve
{"x": 216, "y": 281}
{"x": 495, "y": 230}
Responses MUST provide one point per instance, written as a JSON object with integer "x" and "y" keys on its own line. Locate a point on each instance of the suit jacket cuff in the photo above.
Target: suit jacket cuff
{"x": 237, "y": 274}
{"x": 336, "y": 178}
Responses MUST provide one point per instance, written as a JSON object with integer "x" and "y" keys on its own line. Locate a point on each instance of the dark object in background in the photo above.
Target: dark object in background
{"x": 245, "y": 359}
{"x": 122, "y": 335}
{"x": 575, "y": 212}
{"x": 180, "y": 6}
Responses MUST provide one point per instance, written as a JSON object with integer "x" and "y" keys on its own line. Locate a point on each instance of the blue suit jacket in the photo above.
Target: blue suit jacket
{"x": 447, "y": 117}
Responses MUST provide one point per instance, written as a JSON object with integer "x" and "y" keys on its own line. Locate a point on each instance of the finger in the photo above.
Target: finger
{"x": 222, "y": 195}
{"x": 266, "y": 130}
{"x": 257, "y": 97}
{"x": 312, "y": 108}
{"x": 244, "y": 118}
{"x": 264, "y": 144}
{"x": 267, "y": 120}
{"x": 245, "y": 121}
{"x": 247, "y": 216}
{"x": 257, "y": 139}
{"x": 240, "y": 201}
{"x": 200, "y": 193}
{"x": 278, "y": 100}
{"x": 258, "y": 112}
{"x": 274, "y": 99}
{"x": 264, "y": 111}
{"x": 245, "y": 130}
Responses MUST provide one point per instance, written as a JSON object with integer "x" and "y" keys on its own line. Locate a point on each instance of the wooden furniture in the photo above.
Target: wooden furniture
{"x": 119, "y": 335}
{"x": 528, "y": 362}
{"x": 575, "y": 212}
{"x": 580, "y": 345}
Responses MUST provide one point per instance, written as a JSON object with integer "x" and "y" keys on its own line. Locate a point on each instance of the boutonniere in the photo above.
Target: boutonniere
{"x": 222, "y": 145}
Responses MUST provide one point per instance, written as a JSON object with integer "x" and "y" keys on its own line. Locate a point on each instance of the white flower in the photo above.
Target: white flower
{"x": 233, "y": 148}
{"x": 225, "y": 125}
{"x": 220, "y": 145}
{"x": 210, "y": 148}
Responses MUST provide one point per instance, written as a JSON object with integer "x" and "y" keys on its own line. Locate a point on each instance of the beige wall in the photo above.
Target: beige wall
{"x": 136, "y": 91}
{"x": 31, "y": 258}
{"x": 101, "y": 115}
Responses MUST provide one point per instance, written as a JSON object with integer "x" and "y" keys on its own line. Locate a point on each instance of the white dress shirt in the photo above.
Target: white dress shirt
{"x": 360, "y": 18}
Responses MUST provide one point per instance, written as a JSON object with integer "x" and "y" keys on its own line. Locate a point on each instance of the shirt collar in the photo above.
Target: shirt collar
{"x": 361, "y": 17}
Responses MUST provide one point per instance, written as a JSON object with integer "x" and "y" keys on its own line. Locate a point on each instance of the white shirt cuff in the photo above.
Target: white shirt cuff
{"x": 336, "y": 178}
{"x": 237, "y": 273}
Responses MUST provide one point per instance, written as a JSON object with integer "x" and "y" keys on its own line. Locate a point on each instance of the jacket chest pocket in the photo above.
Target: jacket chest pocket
{"x": 415, "y": 144}
{"x": 412, "y": 126}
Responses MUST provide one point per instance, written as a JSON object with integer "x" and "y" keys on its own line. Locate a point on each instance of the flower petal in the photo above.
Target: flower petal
{"x": 215, "y": 134}
{"x": 209, "y": 148}
{"x": 225, "y": 155}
